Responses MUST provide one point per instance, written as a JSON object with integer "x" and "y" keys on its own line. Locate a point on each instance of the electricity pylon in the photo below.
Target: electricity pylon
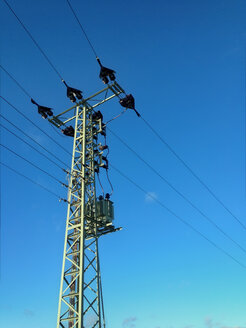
{"x": 88, "y": 217}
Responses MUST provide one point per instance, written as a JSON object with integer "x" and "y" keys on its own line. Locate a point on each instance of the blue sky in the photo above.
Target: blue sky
{"x": 184, "y": 62}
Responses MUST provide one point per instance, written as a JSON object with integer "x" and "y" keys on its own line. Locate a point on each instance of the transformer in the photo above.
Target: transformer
{"x": 105, "y": 211}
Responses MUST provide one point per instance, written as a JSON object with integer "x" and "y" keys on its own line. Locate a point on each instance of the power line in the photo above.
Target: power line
{"x": 27, "y": 143}
{"x": 12, "y": 78}
{"x": 34, "y": 182}
{"x": 193, "y": 173}
{"x": 34, "y": 41}
{"x": 178, "y": 192}
{"x": 34, "y": 165}
{"x": 81, "y": 27}
{"x": 179, "y": 218}
{"x": 28, "y": 119}
{"x": 166, "y": 144}
{"x": 27, "y": 135}
{"x": 146, "y": 122}
{"x": 23, "y": 89}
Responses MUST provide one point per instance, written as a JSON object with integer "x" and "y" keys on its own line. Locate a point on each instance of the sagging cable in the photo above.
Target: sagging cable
{"x": 114, "y": 118}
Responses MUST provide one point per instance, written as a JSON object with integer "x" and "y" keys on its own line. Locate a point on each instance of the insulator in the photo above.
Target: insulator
{"x": 105, "y": 80}
{"x": 112, "y": 76}
{"x": 128, "y": 102}
{"x": 105, "y": 73}
{"x": 104, "y": 166}
{"x": 94, "y": 129}
{"x": 97, "y": 116}
{"x": 103, "y": 131}
{"x": 68, "y": 131}
{"x": 43, "y": 110}
{"x": 71, "y": 97}
{"x": 73, "y": 93}
{"x": 103, "y": 147}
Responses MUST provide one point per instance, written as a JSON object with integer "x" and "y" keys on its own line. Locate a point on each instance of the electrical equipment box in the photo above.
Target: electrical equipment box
{"x": 105, "y": 211}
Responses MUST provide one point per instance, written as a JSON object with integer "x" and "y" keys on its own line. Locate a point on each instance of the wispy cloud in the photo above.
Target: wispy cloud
{"x": 129, "y": 322}
{"x": 150, "y": 197}
{"x": 208, "y": 322}
{"x": 232, "y": 326}
{"x": 28, "y": 313}
{"x": 211, "y": 324}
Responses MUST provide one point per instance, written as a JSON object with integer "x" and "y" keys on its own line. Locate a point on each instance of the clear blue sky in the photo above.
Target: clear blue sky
{"x": 184, "y": 62}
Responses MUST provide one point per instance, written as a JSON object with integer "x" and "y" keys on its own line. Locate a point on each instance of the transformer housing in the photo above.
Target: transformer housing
{"x": 105, "y": 211}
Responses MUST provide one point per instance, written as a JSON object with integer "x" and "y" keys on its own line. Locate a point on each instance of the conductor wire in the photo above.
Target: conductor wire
{"x": 194, "y": 174}
{"x": 100, "y": 184}
{"x": 27, "y": 143}
{"x": 112, "y": 189}
{"x": 27, "y": 135}
{"x": 82, "y": 29}
{"x": 28, "y": 119}
{"x": 179, "y": 193}
{"x": 33, "y": 40}
{"x": 34, "y": 165}
{"x": 179, "y": 218}
{"x": 34, "y": 182}
{"x": 19, "y": 85}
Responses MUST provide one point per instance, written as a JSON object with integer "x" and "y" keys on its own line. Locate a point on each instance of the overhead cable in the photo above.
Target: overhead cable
{"x": 24, "y": 90}
{"x": 99, "y": 180}
{"x": 31, "y": 163}
{"x": 112, "y": 188}
{"x": 194, "y": 174}
{"x": 179, "y": 218}
{"x": 34, "y": 182}
{"x": 39, "y": 144}
{"x": 178, "y": 192}
{"x": 34, "y": 41}
{"x": 81, "y": 27}
{"x": 35, "y": 149}
{"x": 28, "y": 119}
{"x": 16, "y": 82}
{"x": 164, "y": 142}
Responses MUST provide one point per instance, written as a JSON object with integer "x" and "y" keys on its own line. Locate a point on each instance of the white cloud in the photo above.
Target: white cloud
{"x": 28, "y": 313}
{"x": 209, "y": 322}
{"x": 129, "y": 322}
{"x": 150, "y": 197}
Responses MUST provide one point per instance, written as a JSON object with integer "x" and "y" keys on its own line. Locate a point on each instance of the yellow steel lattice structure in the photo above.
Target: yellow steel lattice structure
{"x": 80, "y": 298}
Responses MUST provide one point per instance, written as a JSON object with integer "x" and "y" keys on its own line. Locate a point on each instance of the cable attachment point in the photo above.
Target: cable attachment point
{"x": 63, "y": 200}
{"x": 68, "y": 131}
{"x": 67, "y": 172}
{"x": 129, "y": 102}
{"x": 107, "y": 196}
{"x": 103, "y": 162}
{"x": 42, "y": 110}
{"x": 102, "y": 148}
{"x": 97, "y": 116}
{"x": 73, "y": 93}
{"x": 106, "y": 73}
